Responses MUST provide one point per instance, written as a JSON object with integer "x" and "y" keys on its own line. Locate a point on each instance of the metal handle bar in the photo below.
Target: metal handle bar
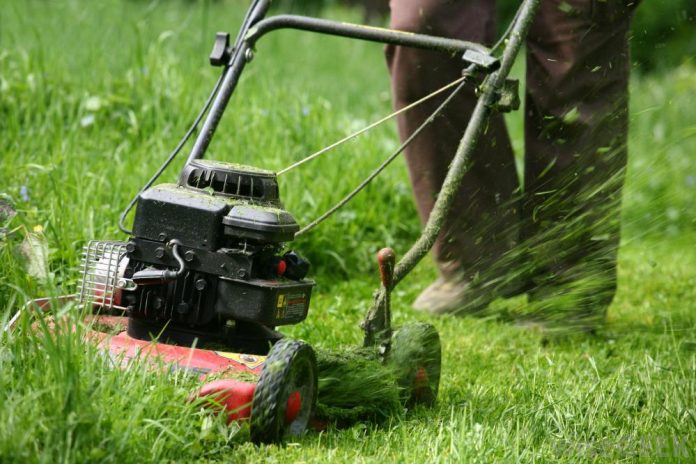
{"x": 258, "y": 27}
{"x": 361, "y": 32}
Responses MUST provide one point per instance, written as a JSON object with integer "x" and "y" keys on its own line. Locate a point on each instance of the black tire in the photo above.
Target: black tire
{"x": 291, "y": 367}
{"x": 416, "y": 358}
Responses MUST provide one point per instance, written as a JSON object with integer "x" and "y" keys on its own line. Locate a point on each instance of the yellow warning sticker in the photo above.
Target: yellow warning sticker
{"x": 249, "y": 360}
{"x": 282, "y": 301}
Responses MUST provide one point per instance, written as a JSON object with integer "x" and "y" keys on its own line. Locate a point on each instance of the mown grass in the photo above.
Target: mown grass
{"x": 92, "y": 97}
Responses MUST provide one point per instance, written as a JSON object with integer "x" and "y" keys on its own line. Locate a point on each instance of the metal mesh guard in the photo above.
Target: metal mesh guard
{"x": 100, "y": 266}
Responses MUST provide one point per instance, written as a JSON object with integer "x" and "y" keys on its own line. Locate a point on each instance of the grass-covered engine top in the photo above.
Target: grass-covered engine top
{"x": 222, "y": 230}
{"x": 216, "y": 205}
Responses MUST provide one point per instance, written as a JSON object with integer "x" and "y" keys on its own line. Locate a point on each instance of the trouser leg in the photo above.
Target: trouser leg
{"x": 576, "y": 125}
{"x": 482, "y": 224}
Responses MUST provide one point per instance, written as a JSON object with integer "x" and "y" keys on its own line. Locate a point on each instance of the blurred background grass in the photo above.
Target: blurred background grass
{"x": 93, "y": 95}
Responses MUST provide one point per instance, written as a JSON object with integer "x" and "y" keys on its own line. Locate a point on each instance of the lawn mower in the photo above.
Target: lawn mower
{"x": 206, "y": 275}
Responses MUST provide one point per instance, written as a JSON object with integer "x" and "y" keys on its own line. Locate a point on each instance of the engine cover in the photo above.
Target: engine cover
{"x": 218, "y": 234}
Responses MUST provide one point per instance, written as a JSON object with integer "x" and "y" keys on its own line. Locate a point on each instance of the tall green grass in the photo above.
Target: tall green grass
{"x": 66, "y": 401}
{"x": 93, "y": 95}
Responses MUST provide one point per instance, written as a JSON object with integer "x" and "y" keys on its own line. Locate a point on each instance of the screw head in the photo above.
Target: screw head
{"x": 201, "y": 284}
{"x": 182, "y": 307}
{"x": 159, "y": 253}
{"x": 130, "y": 247}
{"x": 241, "y": 273}
{"x": 162, "y": 236}
{"x": 189, "y": 256}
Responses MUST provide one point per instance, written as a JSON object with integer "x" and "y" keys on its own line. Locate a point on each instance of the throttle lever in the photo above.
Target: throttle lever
{"x": 221, "y": 53}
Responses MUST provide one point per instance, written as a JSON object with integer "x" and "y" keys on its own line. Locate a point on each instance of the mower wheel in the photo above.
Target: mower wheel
{"x": 286, "y": 393}
{"x": 416, "y": 358}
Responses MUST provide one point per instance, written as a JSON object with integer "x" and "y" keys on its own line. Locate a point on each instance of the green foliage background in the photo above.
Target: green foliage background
{"x": 93, "y": 95}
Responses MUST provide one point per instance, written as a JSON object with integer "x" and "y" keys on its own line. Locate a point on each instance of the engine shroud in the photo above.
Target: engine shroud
{"x": 230, "y": 228}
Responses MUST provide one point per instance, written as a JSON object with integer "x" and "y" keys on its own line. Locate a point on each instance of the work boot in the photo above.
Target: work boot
{"x": 457, "y": 296}
{"x": 442, "y": 297}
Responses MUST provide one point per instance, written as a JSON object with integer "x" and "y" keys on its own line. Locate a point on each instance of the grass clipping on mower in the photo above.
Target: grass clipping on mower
{"x": 355, "y": 386}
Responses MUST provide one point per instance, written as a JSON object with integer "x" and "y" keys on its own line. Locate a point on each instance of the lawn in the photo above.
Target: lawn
{"x": 93, "y": 95}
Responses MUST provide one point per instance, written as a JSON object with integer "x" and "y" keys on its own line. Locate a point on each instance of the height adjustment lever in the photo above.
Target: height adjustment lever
{"x": 377, "y": 324}
{"x": 221, "y": 53}
{"x": 386, "y": 259}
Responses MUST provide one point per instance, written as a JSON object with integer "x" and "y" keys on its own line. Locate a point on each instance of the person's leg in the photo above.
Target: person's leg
{"x": 483, "y": 222}
{"x": 575, "y": 153}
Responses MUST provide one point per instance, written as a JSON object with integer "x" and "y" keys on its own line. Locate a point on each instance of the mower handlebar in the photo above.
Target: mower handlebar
{"x": 362, "y": 32}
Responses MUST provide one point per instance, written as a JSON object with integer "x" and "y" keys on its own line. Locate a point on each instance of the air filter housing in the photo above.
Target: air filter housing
{"x": 263, "y": 225}
{"x": 232, "y": 181}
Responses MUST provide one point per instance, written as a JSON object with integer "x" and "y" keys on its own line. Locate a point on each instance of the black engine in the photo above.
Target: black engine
{"x": 206, "y": 257}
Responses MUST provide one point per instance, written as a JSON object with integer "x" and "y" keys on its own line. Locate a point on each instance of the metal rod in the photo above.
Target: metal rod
{"x": 257, "y": 27}
{"x": 361, "y": 32}
{"x": 375, "y": 325}
{"x": 461, "y": 162}
{"x": 234, "y": 69}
